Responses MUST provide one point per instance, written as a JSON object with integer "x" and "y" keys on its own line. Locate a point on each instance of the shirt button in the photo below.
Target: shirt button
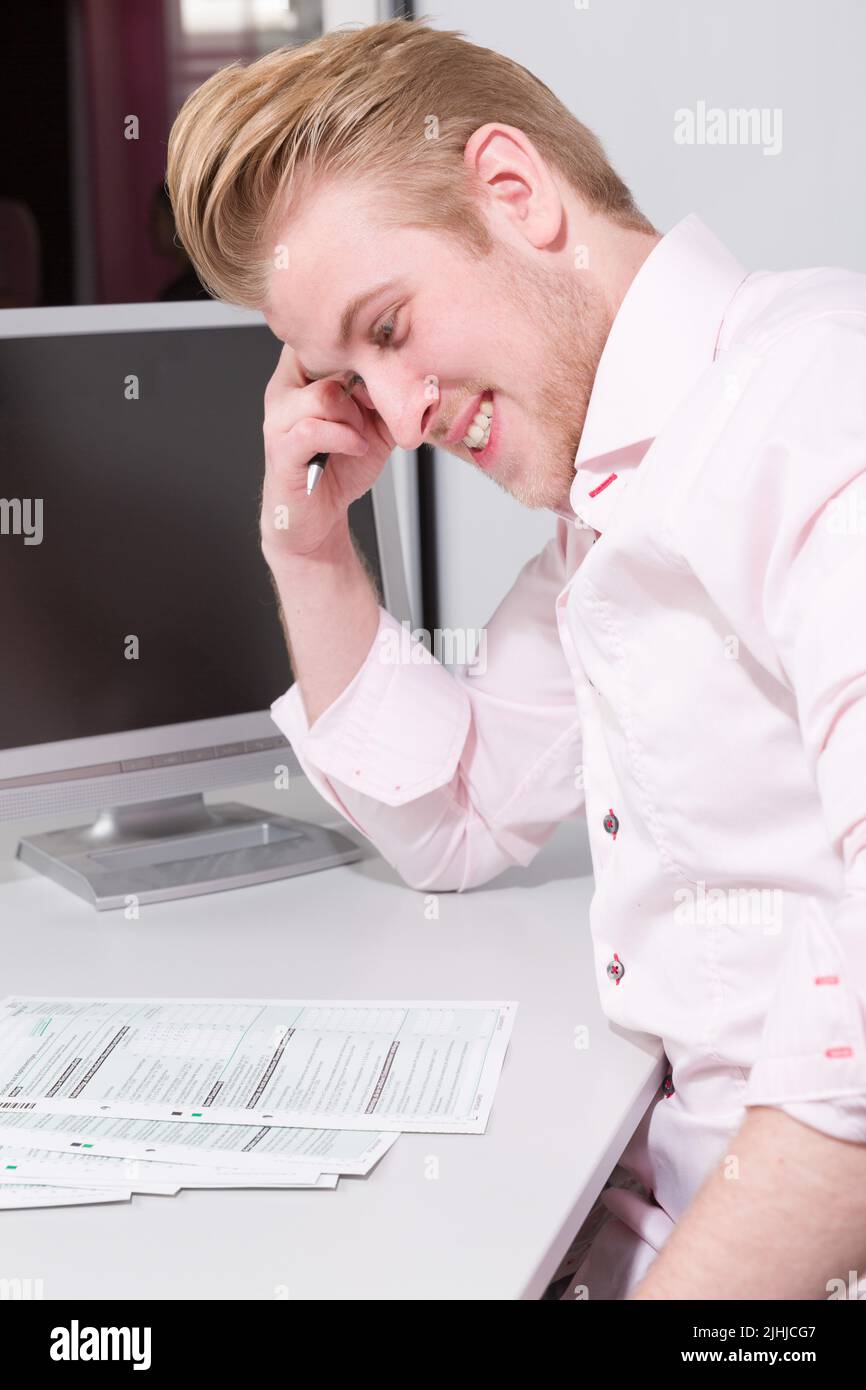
{"x": 611, "y": 823}
{"x": 615, "y": 968}
{"x": 668, "y": 1085}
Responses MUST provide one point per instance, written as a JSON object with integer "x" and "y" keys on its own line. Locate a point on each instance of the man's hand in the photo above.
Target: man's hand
{"x": 790, "y": 1217}
{"x": 303, "y": 418}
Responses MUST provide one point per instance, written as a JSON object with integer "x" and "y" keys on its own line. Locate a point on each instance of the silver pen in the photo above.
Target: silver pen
{"x": 315, "y": 469}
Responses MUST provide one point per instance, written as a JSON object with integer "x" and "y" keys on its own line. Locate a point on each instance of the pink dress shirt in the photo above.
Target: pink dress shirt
{"x": 685, "y": 663}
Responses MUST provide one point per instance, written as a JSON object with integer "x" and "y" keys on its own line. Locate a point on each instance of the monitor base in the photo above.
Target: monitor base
{"x": 178, "y": 847}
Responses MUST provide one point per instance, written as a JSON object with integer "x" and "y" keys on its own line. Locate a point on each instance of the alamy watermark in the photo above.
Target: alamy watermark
{"x": 846, "y": 515}
{"x": 734, "y": 125}
{"x": 731, "y": 907}
{"x": 452, "y": 646}
{"x": 22, "y": 516}
{"x": 21, "y": 1290}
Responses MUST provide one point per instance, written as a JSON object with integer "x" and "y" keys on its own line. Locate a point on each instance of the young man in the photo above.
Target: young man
{"x": 448, "y": 257}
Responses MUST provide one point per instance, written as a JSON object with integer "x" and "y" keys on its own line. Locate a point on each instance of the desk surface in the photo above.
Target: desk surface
{"x": 498, "y": 1218}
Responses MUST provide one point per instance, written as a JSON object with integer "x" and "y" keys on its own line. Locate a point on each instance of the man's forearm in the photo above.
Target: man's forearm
{"x": 783, "y": 1214}
{"x": 330, "y": 616}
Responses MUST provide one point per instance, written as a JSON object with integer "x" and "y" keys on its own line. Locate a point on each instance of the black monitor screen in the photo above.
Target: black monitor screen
{"x": 150, "y": 531}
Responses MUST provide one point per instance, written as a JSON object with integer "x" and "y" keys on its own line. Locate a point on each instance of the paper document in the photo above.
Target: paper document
{"x": 241, "y": 1148}
{"x": 223, "y": 1179}
{"x": 140, "y": 1175}
{"x": 419, "y": 1066}
{"x": 27, "y": 1195}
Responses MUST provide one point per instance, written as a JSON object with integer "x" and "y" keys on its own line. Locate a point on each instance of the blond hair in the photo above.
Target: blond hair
{"x": 360, "y": 103}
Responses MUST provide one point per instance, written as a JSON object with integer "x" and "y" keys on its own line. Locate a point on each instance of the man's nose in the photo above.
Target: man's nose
{"x": 408, "y": 410}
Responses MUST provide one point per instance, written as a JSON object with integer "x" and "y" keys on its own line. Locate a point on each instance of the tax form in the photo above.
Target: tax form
{"x": 31, "y": 1165}
{"x": 239, "y": 1148}
{"x": 37, "y": 1168}
{"x": 29, "y": 1195}
{"x": 420, "y": 1066}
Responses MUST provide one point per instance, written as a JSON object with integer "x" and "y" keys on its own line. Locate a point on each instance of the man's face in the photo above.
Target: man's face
{"x": 445, "y": 334}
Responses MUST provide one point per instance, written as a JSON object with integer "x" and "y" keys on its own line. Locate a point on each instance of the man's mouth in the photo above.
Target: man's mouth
{"x": 478, "y": 429}
{"x": 477, "y": 437}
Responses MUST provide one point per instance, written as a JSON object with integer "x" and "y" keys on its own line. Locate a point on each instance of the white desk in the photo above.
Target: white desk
{"x": 506, "y": 1204}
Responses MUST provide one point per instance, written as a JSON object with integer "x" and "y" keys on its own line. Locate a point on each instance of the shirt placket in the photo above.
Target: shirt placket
{"x": 601, "y": 790}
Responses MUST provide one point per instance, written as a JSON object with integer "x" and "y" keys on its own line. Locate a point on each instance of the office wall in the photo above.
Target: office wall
{"x": 624, "y": 67}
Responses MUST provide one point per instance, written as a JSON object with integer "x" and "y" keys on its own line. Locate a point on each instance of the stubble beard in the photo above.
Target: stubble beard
{"x": 570, "y": 323}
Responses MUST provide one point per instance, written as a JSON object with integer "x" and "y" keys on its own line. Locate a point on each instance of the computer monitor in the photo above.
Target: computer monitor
{"x": 139, "y": 629}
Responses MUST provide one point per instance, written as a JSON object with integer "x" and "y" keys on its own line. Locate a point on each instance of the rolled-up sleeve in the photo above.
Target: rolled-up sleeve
{"x": 453, "y": 774}
{"x": 803, "y": 551}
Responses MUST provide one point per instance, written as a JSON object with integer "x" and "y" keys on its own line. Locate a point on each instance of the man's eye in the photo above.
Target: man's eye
{"x": 384, "y": 335}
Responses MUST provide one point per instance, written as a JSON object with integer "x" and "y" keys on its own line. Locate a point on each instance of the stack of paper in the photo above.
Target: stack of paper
{"x": 103, "y": 1098}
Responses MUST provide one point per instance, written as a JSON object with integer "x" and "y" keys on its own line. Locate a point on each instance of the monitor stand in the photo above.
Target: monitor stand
{"x": 178, "y": 847}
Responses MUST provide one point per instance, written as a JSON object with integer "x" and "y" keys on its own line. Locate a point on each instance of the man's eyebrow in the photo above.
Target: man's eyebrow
{"x": 353, "y": 309}
{"x": 347, "y": 320}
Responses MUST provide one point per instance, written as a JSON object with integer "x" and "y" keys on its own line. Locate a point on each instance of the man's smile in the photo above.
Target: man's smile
{"x": 475, "y": 428}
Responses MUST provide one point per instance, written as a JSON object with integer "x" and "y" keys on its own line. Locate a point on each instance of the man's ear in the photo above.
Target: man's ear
{"x": 520, "y": 186}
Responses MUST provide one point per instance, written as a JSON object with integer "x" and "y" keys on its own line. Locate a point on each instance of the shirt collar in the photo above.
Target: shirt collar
{"x": 665, "y": 334}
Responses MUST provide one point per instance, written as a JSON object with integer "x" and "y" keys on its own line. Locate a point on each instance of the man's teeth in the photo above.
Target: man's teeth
{"x": 478, "y": 434}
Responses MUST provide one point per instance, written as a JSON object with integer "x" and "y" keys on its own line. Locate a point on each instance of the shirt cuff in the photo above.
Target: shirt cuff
{"x": 811, "y": 1059}
{"x": 394, "y": 733}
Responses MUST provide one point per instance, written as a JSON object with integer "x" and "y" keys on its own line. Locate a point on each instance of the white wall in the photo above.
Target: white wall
{"x": 624, "y": 67}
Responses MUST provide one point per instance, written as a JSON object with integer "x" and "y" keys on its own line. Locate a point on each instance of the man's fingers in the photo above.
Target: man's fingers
{"x": 293, "y": 448}
{"x": 321, "y": 399}
{"x": 287, "y": 376}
